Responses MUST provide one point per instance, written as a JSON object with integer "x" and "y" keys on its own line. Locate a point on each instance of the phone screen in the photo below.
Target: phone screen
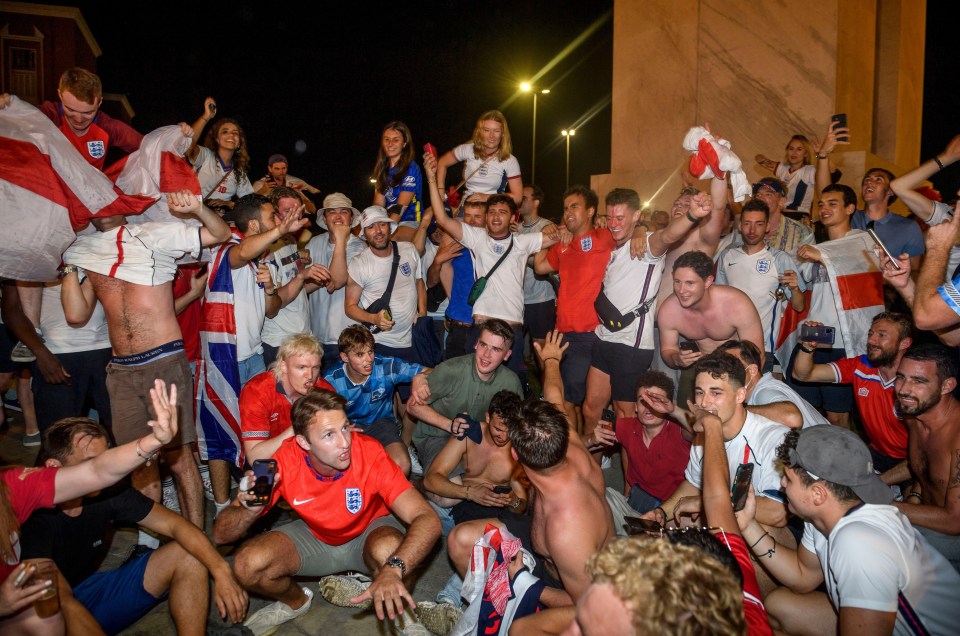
{"x": 502, "y": 490}
{"x": 689, "y": 345}
{"x": 876, "y": 239}
{"x": 741, "y": 486}
{"x": 264, "y": 473}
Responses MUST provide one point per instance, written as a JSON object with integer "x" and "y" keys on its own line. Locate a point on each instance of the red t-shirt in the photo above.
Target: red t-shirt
{"x": 581, "y": 266}
{"x": 29, "y": 489}
{"x": 103, "y": 133}
{"x": 753, "y": 609}
{"x": 875, "y": 400}
{"x": 658, "y": 469}
{"x": 264, "y": 407}
{"x": 189, "y": 318}
{"x": 338, "y": 510}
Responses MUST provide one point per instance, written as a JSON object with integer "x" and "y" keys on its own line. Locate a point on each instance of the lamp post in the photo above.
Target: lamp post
{"x": 568, "y": 134}
{"x": 527, "y": 88}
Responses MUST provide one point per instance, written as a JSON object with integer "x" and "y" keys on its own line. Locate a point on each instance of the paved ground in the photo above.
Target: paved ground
{"x": 322, "y": 617}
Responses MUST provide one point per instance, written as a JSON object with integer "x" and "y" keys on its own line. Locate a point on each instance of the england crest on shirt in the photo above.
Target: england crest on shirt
{"x": 405, "y": 269}
{"x": 354, "y": 500}
{"x": 586, "y": 243}
{"x": 763, "y": 266}
{"x": 96, "y": 149}
{"x": 498, "y": 249}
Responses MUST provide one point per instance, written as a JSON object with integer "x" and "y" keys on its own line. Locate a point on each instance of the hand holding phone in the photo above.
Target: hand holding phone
{"x": 818, "y": 334}
{"x": 502, "y": 490}
{"x": 264, "y": 474}
{"x": 876, "y": 239}
{"x": 741, "y": 486}
{"x": 430, "y": 149}
{"x": 840, "y": 121}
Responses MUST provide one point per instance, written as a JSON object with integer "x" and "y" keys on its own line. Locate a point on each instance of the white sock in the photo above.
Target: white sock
{"x": 147, "y": 539}
{"x": 221, "y": 506}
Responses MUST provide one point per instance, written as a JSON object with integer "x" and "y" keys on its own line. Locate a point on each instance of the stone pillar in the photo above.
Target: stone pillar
{"x": 759, "y": 73}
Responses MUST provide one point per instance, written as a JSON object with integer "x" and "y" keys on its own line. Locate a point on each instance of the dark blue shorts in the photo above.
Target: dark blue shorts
{"x": 116, "y": 598}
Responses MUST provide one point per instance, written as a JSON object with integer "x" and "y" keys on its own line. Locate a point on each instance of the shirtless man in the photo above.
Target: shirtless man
{"x": 571, "y": 519}
{"x": 925, "y": 379}
{"x": 485, "y": 465}
{"x": 130, "y": 269}
{"x": 704, "y": 313}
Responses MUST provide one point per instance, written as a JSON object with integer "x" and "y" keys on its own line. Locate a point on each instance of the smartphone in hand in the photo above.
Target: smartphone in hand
{"x": 264, "y": 475}
{"x": 741, "y": 486}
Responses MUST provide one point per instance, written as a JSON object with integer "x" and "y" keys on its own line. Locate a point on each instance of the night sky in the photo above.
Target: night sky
{"x": 332, "y": 83}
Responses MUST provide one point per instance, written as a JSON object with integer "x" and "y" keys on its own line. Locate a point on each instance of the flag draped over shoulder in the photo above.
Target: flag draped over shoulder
{"x": 218, "y": 373}
{"x": 47, "y": 192}
{"x": 857, "y": 286}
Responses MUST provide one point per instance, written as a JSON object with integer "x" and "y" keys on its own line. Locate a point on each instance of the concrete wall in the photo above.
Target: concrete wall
{"x": 758, "y": 73}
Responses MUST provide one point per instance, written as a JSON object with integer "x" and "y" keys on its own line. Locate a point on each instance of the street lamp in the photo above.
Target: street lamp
{"x": 568, "y": 134}
{"x": 527, "y": 88}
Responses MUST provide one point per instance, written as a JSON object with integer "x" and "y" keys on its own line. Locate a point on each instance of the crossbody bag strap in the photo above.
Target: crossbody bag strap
{"x": 489, "y": 274}
{"x": 393, "y": 274}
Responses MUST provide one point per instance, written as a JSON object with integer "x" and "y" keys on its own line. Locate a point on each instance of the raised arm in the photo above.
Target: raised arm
{"x": 78, "y": 299}
{"x": 551, "y": 352}
{"x": 905, "y": 186}
{"x": 447, "y": 160}
{"x": 930, "y": 310}
{"x": 716, "y": 473}
{"x": 827, "y": 146}
{"x": 700, "y": 208}
{"x": 435, "y": 173}
{"x": 214, "y": 229}
{"x": 116, "y": 463}
{"x": 712, "y": 228}
{"x": 209, "y": 112}
{"x": 804, "y": 368}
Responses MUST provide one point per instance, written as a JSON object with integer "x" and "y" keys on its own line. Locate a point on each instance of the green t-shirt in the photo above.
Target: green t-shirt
{"x": 455, "y": 387}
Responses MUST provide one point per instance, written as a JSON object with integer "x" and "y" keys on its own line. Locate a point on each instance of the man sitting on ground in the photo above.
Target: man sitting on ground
{"x": 926, "y": 377}
{"x": 266, "y": 400}
{"x": 571, "y": 519}
{"x": 368, "y": 380}
{"x": 881, "y": 576}
{"x": 351, "y": 500}
{"x": 750, "y": 438}
{"x": 654, "y": 449}
{"x": 75, "y": 536}
{"x": 464, "y": 384}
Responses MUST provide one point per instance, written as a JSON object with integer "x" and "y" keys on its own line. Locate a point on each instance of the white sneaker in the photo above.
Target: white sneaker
{"x": 439, "y": 618}
{"x": 415, "y": 467}
{"x": 171, "y": 501}
{"x": 339, "y": 589}
{"x": 407, "y": 625}
{"x": 267, "y": 620}
{"x": 22, "y": 353}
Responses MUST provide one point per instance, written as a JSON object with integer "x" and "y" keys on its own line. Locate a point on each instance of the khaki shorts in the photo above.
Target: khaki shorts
{"x": 320, "y": 559}
{"x": 130, "y": 405}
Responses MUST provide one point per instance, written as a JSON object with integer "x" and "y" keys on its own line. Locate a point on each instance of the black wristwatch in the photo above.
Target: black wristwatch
{"x": 397, "y": 562}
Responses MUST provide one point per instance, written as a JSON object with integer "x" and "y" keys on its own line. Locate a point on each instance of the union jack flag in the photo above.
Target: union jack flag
{"x": 218, "y": 373}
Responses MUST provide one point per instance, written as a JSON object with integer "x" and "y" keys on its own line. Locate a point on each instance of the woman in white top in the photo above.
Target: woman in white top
{"x": 797, "y": 170}
{"x": 222, "y": 161}
{"x": 489, "y": 167}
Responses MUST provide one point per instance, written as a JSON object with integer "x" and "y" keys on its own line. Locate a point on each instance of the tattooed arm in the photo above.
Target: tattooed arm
{"x": 942, "y": 516}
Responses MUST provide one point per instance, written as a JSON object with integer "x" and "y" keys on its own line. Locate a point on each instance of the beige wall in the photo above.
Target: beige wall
{"x": 758, "y": 73}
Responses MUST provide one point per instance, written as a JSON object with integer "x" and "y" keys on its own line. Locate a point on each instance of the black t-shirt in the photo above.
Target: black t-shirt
{"x": 79, "y": 544}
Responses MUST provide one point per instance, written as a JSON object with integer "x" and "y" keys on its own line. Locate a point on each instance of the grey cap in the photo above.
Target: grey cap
{"x": 837, "y": 455}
